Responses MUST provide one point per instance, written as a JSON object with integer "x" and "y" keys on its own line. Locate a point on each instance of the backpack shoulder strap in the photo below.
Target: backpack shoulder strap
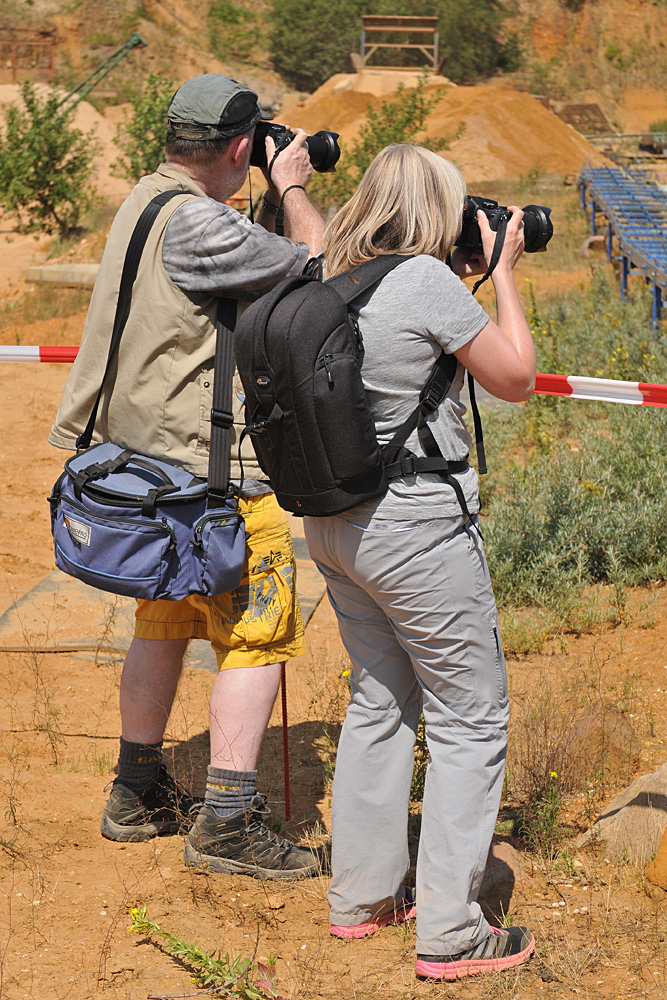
{"x": 353, "y": 283}
{"x": 435, "y": 389}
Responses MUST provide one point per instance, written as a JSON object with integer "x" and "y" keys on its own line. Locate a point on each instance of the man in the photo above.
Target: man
{"x": 198, "y": 251}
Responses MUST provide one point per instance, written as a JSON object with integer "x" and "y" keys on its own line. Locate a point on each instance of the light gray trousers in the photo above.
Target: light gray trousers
{"x": 418, "y": 618}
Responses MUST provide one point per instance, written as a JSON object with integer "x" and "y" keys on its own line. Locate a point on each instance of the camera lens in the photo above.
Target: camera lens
{"x": 323, "y": 150}
{"x": 538, "y": 227}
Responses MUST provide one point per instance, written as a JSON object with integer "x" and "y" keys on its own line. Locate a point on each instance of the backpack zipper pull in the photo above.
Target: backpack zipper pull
{"x": 327, "y": 359}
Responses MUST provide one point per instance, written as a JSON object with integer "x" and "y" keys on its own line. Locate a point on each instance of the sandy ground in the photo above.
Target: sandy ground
{"x": 66, "y": 892}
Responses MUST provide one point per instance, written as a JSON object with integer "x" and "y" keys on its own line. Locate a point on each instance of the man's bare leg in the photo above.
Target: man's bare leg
{"x": 145, "y": 801}
{"x": 148, "y": 687}
{"x": 241, "y": 706}
{"x": 230, "y": 834}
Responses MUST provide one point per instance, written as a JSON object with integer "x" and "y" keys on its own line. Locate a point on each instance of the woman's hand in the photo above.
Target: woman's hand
{"x": 467, "y": 263}
{"x": 502, "y": 356}
{"x": 514, "y": 239}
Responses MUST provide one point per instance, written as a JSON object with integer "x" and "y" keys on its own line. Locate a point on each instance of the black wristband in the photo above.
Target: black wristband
{"x": 268, "y": 206}
{"x": 290, "y": 188}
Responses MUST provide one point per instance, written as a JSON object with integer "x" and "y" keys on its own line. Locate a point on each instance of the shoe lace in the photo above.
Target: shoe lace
{"x": 255, "y": 823}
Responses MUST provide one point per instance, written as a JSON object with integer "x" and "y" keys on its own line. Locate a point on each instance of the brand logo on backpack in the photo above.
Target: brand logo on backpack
{"x": 263, "y": 381}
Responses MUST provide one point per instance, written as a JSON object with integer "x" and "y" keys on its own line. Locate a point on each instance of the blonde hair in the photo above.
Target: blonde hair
{"x": 409, "y": 201}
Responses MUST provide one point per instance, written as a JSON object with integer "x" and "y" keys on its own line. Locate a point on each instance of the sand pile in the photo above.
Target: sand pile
{"x": 85, "y": 118}
{"x": 507, "y": 133}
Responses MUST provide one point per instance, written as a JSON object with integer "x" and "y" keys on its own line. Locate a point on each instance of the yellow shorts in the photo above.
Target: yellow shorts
{"x": 258, "y": 623}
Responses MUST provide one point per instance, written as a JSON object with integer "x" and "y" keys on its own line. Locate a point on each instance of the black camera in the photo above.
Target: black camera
{"x": 323, "y": 147}
{"x": 538, "y": 228}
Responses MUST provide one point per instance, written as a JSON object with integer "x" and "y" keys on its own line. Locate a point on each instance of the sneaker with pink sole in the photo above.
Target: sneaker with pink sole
{"x": 503, "y": 949}
{"x": 406, "y": 909}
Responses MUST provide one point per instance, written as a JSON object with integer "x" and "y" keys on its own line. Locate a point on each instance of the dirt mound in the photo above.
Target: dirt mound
{"x": 507, "y": 133}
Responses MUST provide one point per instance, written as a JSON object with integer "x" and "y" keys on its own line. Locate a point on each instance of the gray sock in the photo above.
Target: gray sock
{"x": 138, "y": 763}
{"x": 229, "y": 791}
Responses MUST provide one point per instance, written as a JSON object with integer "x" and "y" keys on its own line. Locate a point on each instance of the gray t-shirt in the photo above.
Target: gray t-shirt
{"x": 417, "y": 309}
{"x": 210, "y": 247}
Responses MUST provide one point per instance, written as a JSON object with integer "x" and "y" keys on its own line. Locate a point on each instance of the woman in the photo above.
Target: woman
{"x": 408, "y": 580}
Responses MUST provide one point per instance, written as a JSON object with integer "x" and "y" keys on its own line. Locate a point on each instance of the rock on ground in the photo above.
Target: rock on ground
{"x": 634, "y": 822}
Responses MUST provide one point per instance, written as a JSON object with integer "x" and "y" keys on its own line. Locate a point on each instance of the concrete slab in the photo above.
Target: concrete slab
{"x": 69, "y": 275}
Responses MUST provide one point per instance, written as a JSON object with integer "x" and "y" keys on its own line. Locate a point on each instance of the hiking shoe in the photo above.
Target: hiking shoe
{"x": 161, "y": 807}
{"x": 503, "y": 949}
{"x": 242, "y": 844}
{"x": 405, "y": 909}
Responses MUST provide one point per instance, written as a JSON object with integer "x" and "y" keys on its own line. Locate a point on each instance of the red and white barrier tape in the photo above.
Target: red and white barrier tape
{"x": 21, "y": 353}
{"x": 607, "y": 390}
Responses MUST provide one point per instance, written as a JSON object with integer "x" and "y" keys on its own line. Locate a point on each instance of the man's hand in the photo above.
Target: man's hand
{"x": 292, "y": 164}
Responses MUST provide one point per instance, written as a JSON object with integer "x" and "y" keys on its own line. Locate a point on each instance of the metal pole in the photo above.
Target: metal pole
{"x": 656, "y": 315}
{"x": 624, "y": 277}
{"x": 593, "y": 207}
{"x": 610, "y": 236}
{"x": 283, "y": 694}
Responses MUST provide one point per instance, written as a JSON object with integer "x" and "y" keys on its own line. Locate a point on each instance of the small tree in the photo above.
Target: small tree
{"x": 45, "y": 165}
{"x": 141, "y": 137}
{"x": 400, "y": 118}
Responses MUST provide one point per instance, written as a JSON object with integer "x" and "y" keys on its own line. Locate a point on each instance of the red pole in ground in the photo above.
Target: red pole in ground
{"x": 283, "y": 696}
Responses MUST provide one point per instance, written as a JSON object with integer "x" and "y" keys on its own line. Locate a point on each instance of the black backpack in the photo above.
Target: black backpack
{"x": 299, "y": 353}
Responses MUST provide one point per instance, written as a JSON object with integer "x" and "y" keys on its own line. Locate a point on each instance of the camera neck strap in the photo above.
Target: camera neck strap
{"x": 495, "y": 255}
{"x": 477, "y": 420}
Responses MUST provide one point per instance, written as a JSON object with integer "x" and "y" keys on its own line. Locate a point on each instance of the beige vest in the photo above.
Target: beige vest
{"x": 158, "y": 397}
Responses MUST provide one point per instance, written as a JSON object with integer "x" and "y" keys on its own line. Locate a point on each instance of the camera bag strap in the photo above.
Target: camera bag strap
{"x": 221, "y": 412}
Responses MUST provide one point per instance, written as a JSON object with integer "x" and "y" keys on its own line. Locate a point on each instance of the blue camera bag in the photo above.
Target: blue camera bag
{"x": 141, "y": 527}
{"x": 137, "y": 525}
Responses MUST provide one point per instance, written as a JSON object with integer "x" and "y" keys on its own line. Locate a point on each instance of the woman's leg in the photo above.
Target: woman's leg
{"x": 374, "y": 761}
{"x": 432, "y": 583}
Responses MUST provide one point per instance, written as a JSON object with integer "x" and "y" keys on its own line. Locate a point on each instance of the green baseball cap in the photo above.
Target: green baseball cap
{"x": 213, "y": 106}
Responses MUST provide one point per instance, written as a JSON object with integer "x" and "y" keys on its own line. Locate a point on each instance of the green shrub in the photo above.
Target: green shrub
{"x": 659, "y": 126}
{"x": 310, "y": 42}
{"x": 581, "y": 500}
{"x": 473, "y": 40}
{"x": 46, "y": 165}
{"x": 141, "y": 137}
